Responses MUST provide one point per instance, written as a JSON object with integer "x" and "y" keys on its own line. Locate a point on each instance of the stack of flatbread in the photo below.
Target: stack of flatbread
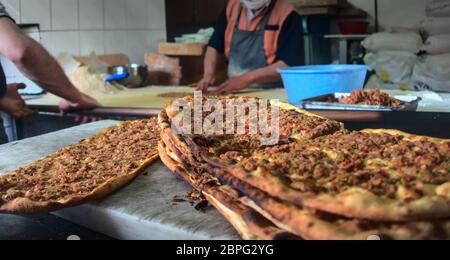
{"x": 319, "y": 181}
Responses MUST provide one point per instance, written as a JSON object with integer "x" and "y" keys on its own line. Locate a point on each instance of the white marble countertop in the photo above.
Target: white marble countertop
{"x": 431, "y": 101}
{"x": 142, "y": 210}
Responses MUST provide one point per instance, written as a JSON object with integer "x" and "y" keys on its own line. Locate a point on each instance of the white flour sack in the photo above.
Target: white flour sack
{"x": 439, "y": 8}
{"x": 392, "y": 66}
{"x": 439, "y": 63}
{"x": 406, "y": 41}
{"x": 434, "y": 72}
{"x": 437, "y": 44}
{"x": 436, "y": 26}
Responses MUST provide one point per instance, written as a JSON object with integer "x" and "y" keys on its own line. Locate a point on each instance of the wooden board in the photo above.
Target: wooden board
{"x": 149, "y": 97}
{"x": 303, "y": 3}
{"x": 110, "y": 59}
{"x": 180, "y": 49}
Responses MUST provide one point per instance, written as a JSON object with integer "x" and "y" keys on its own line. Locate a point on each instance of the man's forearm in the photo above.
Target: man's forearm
{"x": 40, "y": 67}
{"x": 265, "y": 75}
{"x": 212, "y": 59}
{"x": 34, "y": 61}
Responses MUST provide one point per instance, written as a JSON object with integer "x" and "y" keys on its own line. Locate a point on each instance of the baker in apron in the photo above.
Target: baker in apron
{"x": 256, "y": 37}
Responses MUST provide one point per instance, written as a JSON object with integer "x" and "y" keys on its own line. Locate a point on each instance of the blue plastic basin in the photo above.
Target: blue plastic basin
{"x": 312, "y": 81}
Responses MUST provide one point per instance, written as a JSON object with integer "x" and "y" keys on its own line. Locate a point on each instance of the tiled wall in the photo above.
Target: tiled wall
{"x": 79, "y": 27}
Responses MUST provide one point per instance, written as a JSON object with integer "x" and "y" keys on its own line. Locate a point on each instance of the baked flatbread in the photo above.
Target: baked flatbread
{"x": 377, "y": 175}
{"x": 294, "y": 123}
{"x": 308, "y": 223}
{"x": 90, "y": 170}
{"x": 247, "y": 222}
{"x": 317, "y": 225}
{"x": 370, "y": 174}
{"x": 348, "y": 185}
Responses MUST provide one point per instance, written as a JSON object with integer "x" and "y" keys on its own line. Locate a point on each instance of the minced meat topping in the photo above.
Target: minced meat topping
{"x": 78, "y": 169}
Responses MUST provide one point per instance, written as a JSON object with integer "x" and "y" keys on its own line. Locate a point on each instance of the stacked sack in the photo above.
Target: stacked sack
{"x": 404, "y": 59}
{"x": 433, "y": 69}
{"x": 393, "y": 55}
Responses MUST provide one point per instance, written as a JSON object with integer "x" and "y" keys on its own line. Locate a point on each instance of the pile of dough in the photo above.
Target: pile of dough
{"x": 92, "y": 83}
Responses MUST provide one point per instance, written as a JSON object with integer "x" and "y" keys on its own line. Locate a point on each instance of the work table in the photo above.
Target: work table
{"x": 432, "y": 118}
{"x": 148, "y": 99}
{"x": 139, "y": 102}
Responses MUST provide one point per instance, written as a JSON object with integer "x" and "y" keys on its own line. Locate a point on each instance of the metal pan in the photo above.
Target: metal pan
{"x": 330, "y": 102}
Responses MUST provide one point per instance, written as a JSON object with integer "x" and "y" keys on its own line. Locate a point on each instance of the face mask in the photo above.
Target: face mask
{"x": 255, "y": 4}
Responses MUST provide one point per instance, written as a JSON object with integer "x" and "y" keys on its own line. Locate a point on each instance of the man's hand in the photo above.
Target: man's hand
{"x": 233, "y": 85}
{"x": 83, "y": 102}
{"x": 264, "y": 75}
{"x": 206, "y": 82}
{"x": 13, "y": 103}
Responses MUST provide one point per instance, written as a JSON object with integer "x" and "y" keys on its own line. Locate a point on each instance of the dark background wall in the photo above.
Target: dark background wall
{"x": 188, "y": 16}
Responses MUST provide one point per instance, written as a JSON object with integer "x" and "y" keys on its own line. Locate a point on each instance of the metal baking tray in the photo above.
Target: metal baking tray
{"x": 329, "y": 102}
